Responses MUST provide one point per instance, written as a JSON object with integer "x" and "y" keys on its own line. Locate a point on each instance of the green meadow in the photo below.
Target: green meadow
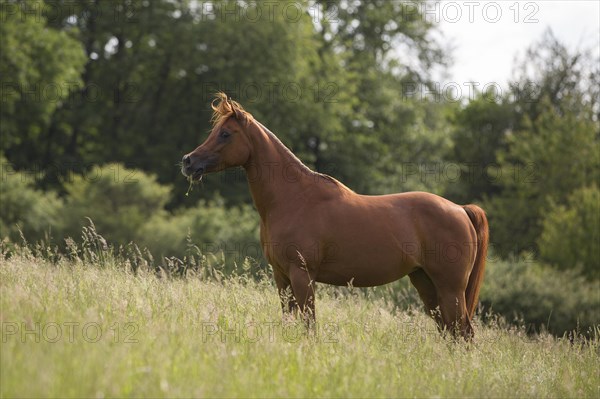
{"x": 75, "y": 328}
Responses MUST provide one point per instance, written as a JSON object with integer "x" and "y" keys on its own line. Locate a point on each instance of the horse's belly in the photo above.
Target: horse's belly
{"x": 357, "y": 281}
{"x": 363, "y": 272}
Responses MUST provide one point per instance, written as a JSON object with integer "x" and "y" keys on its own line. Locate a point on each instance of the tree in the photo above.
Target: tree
{"x": 571, "y": 232}
{"x": 390, "y": 128}
{"x": 40, "y": 69}
{"x": 569, "y": 79}
{"x": 534, "y": 145}
{"x": 147, "y": 70}
{"x": 546, "y": 161}
{"x": 479, "y": 132}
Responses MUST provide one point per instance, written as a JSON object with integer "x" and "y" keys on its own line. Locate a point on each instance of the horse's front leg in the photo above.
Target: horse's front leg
{"x": 286, "y": 295}
{"x": 303, "y": 287}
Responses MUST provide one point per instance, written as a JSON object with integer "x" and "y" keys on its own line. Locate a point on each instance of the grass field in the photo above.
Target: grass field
{"x": 78, "y": 330}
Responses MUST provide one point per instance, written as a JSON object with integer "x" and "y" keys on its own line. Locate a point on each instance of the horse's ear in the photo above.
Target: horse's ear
{"x": 238, "y": 113}
{"x": 240, "y": 116}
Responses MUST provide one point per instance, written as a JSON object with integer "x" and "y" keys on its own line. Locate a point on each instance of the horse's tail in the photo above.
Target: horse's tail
{"x": 480, "y": 222}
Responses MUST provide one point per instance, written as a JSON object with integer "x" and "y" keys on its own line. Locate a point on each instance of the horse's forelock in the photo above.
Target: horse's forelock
{"x": 223, "y": 107}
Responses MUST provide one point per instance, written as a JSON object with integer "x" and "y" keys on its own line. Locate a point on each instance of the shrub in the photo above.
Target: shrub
{"x": 571, "y": 233}
{"x": 542, "y": 297}
{"x": 209, "y": 226}
{"x": 24, "y": 208}
{"x": 120, "y": 201}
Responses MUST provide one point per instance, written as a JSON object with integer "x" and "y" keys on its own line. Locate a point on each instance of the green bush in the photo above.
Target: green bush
{"x": 33, "y": 212}
{"x": 209, "y": 226}
{"x": 541, "y": 297}
{"x": 120, "y": 202}
{"x": 571, "y": 233}
{"x": 524, "y": 293}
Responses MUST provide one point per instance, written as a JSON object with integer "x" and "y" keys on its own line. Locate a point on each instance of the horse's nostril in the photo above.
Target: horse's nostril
{"x": 186, "y": 160}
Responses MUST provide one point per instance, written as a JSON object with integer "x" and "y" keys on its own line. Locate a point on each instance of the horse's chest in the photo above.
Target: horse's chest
{"x": 286, "y": 247}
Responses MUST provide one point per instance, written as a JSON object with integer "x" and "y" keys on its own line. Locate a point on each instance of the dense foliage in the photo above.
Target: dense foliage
{"x": 26, "y": 211}
{"x": 566, "y": 229}
{"x": 525, "y": 292}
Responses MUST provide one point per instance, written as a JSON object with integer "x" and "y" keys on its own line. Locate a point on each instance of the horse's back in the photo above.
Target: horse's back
{"x": 421, "y": 209}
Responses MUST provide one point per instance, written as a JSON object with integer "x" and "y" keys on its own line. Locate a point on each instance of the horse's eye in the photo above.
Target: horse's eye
{"x": 225, "y": 134}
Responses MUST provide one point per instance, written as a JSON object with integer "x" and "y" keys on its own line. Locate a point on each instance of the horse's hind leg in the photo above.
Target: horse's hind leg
{"x": 454, "y": 312}
{"x": 421, "y": 281}
{"x": 450, "y": 277}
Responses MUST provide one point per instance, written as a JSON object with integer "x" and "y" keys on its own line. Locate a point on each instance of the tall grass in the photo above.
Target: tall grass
{"x": 94, "y": 326}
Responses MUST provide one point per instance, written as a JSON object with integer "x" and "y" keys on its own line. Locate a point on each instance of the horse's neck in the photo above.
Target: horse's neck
{"x": 275, "y": 175}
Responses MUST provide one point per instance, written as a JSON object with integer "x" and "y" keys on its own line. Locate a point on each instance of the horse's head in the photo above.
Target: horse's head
{"x": 226, "y": 146}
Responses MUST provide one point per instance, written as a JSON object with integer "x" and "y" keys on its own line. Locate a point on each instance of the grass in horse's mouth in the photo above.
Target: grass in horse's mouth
{"x": 191, "y": 182}
{"x": 190, "y": 179}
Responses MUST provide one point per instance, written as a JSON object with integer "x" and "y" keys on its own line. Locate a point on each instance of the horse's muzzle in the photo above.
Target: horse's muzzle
{"x": 195, "y": 167}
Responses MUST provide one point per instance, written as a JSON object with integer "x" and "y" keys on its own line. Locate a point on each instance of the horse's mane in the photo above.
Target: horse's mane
{"x": 305, "y": 168}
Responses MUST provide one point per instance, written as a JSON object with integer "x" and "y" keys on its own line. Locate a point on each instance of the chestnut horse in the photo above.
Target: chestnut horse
{"x": 315, "y": 229}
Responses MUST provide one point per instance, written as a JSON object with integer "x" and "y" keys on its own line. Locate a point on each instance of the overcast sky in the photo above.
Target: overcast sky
{"x": 487, "y": 35}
